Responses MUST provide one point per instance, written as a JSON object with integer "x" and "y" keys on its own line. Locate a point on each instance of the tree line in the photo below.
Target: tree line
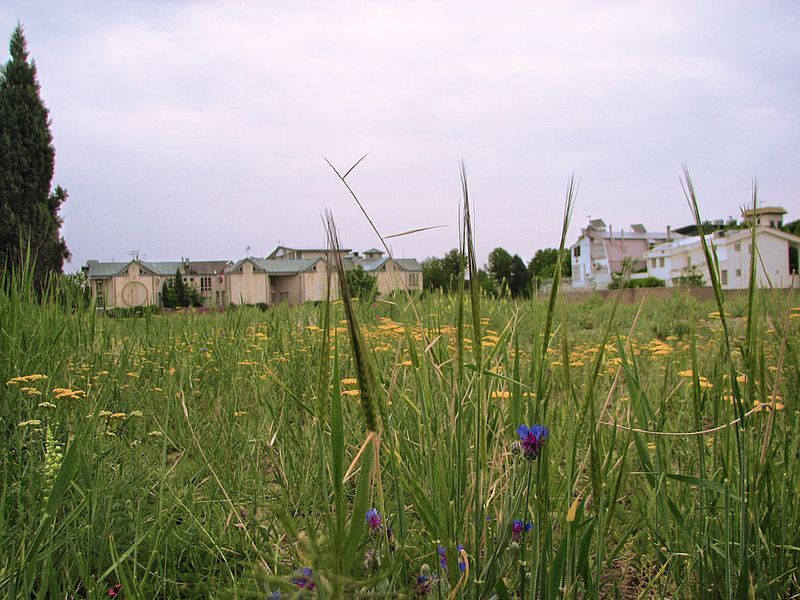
{"x": 504, "y": 273}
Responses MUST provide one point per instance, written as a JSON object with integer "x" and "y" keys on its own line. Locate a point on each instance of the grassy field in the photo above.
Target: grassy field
{"x": 236, "y": 455}
{"x": 453, "y": 446}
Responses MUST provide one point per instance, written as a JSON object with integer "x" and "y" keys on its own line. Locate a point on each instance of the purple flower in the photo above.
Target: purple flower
{"x": 275, "y": 596}
{"x": 423, "y": 584}
{"x": 442, "y": 556}
{"x": 462, "y": 565}
{"x": 374, "y": 520}
{"x": 518, "y": 527}
{"x": 531, "y": 440}
{"x": 304, "y": 579}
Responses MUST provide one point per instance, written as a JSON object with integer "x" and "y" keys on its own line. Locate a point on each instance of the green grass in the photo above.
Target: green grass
{"x": 215, "y": 455}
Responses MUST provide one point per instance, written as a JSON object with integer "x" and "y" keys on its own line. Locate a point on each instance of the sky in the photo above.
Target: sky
{"x": 201, "y": 129}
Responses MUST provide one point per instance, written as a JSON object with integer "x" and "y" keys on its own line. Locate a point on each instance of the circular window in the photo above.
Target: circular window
{"x": 134, "y": 294}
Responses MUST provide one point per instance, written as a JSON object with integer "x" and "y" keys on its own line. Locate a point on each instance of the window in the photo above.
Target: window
{"x": 738, "y": 272}
{"x": 737, "y": 246}
{"x": 576, "y": 252}
{"x": 653, "y": 262}
{"x": 205, "y": 284}
{"x": 723, "y": 277}
{"x": 100, "y": 293}
{"x": 661, "y": 262}
{"x": 413, "y": 280}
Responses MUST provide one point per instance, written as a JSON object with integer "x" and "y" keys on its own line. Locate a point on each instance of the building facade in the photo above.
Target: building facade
{"x": 775, "y": 266}
{"x": 139, "y": 283}
{"x": 287, "y": 275}
{"x": 601, "y": 252}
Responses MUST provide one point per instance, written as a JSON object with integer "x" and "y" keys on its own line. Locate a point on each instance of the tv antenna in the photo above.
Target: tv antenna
{"x": 134, "y": 254}
{"x": 247, "y": 250}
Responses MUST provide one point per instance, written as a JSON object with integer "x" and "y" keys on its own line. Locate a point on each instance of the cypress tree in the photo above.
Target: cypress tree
{"x": 29, "y": 212}
{"x": 181, "y": 293}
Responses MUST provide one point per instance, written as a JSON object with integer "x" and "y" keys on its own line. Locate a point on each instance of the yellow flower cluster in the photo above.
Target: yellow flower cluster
{"x": 59, "y": 393}
{"x": 704, "y": 383}
{"x": 26, "y": 379}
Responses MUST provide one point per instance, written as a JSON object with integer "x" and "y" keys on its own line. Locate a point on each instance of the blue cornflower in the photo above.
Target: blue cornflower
{"x": 532, "y": 439}
{"x": 304, "y": 579}
{"x": 442, "y": 556}
{"x": 275, "y": 596}
{"x": 423, "y": 584}
{"x": 462, "y": 565}
{"x": 374, "y": 520}
{"x": 518, "y": 527}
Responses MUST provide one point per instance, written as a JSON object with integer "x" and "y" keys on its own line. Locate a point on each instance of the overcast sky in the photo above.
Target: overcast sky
{"x": 199, "y": 128}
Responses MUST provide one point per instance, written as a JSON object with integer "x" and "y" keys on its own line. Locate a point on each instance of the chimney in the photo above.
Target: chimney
{"x": 669, "y": 232}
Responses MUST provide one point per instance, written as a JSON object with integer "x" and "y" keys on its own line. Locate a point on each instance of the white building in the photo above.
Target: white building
{"x": 600, "y": 252}
{"x": 676, "y": 258}
{"x": 768, "y": 216}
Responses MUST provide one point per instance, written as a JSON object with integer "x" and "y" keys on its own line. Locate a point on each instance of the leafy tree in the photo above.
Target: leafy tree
{"x": 485, "y": 282}
{"x": 29, "y": 212}
{"x": 443, "y": 273}
{"x": 792, "y": 227}
{"x": 433, "y": 274}
{"x": 168, "y": 297}
{"x": 499, "y": 267}
{"x": 519, "y": 282}
{"x": 362, "y": 285}
{"x": 544, "y": 261}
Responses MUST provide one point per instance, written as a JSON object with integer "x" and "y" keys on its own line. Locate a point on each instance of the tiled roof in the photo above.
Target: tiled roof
{"x": 163, "y": 268}
{"x": 279, "y": 266}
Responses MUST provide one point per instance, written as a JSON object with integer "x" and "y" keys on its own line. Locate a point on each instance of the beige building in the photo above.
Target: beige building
{"x": 272, "y": 281}
{"x": 297, "y": 275}
{"x": 776, "y": 261}
{"x": 291, "y": 275}
{"x": 139, "y": 283}
{"x": 392, "y": 274}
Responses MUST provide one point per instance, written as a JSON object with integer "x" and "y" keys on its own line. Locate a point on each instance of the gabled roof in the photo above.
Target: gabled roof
{"x": 372, "y": 264}
{"x": 162, "y": 268}
{"x": 408, "y": 264}
{"x": 279, "y": 266}
{"x": 103, "y": 269}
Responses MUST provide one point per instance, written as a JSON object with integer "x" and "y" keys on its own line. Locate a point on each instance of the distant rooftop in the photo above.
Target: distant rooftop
{"x": 764, "y": 210}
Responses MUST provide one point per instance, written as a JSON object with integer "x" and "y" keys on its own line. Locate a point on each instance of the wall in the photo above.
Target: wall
{"x": 286, "y": 284}
{"x": 635, "y": 295}
{"x": 392, "y": 279}
{"x": 248, "y": 287}
{"x": 774, "y": 254}
{"x": 315, "y": 283}
{"x": 132, "y": 289}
